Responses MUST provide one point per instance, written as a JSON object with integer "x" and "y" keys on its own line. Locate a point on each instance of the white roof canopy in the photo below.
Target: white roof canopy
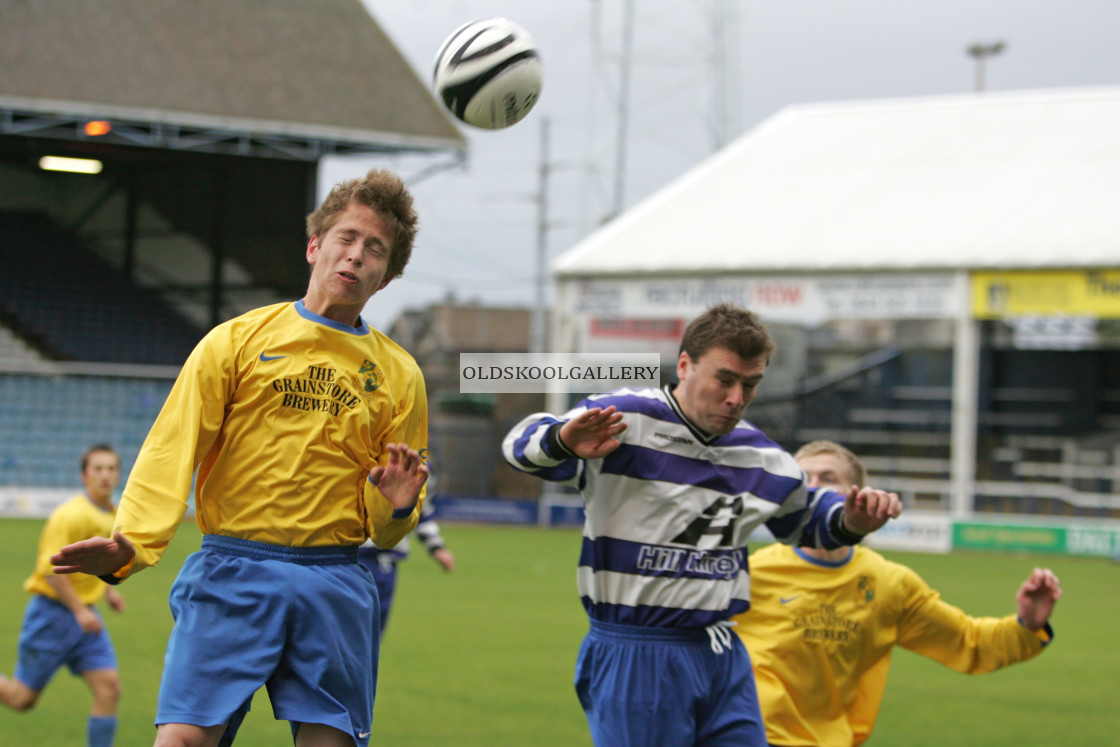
{"x": 982, "y": 181}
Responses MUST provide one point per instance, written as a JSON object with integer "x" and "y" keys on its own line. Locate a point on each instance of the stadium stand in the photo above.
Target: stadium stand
{"x": 15, "y": 350}
{"x": 213, "y": 145}
{"x": 50, "y": 420}
{"x": 1045, "y": 423}
{"x": 58, "y": 292}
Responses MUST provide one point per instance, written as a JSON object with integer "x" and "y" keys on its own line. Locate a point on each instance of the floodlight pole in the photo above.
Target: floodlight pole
{"x": 540, "y": 303}
{"x": 724, "y": 69}
{"x": 623, "y": 109}
{"x": 981, "y": 52}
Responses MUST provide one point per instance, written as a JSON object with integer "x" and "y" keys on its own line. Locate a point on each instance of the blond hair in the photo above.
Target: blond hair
{"x": 857, "y": 472}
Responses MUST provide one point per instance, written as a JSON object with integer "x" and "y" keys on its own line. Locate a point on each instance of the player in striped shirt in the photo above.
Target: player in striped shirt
{"x": 674, "y": 482}
{"x": 823, "y": 624}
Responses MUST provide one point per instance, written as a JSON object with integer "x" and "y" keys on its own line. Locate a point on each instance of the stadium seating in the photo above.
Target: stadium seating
{"x": 49, "y": 421}
{"x": 74, "y": 306}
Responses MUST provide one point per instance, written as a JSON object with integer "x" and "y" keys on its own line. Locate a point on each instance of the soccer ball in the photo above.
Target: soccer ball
{"x": 488, "y": 73}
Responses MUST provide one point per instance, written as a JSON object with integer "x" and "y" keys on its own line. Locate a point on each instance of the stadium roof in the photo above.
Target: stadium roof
{"x": 991, "y": 181}
{"x": 281, "y": 78}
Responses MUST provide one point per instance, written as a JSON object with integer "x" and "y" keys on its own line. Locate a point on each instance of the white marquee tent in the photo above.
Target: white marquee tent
{"x": 908, "y": 208}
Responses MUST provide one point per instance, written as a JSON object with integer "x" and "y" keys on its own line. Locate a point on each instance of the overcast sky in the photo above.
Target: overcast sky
{"x": 479, "y": 223}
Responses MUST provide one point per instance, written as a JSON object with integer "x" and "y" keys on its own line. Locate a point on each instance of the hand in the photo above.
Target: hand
{"x": 401, "y": 479}
{"x": 88, "y": 619}
{"x": 444, "y": 557}
{"x": 867, "y": 509}
{"x": 115, "y": 600}
{"x": 591, "y": 434}
{"x": 97, "y": 556}
{"x": 1037, "y": 597}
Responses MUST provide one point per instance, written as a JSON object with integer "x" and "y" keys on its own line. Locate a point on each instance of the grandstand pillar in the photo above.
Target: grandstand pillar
{"x": 130, "y": 212}
{"x": 217, "y": 245}
{"x": 966, "y": 397}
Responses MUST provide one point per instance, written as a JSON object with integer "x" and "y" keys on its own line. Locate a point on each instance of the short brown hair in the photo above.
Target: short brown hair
{"x": 857, "y": 470}
{"x": 385, "y": 193}
{"x": 727, "y": 326}
{"x": 97, "y": 449}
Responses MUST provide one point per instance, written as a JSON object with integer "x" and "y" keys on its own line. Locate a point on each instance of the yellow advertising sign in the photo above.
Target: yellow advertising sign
{"x": 1093, "y": 293}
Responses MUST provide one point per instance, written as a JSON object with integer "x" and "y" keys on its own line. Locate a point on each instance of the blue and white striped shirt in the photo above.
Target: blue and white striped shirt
{"x": 669, "y": 512}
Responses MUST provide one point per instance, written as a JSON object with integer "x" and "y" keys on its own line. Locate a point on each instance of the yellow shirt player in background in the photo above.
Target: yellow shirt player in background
{"x": 823, "y": 623}
{"x": 61, "y": 625}
{"x": 307, "y": 429}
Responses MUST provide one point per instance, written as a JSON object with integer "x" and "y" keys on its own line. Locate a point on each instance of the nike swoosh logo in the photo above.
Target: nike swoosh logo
{"x": 787, "y": 600}
{"x": 364, "y": 734}
{"x": 267, "y": 358}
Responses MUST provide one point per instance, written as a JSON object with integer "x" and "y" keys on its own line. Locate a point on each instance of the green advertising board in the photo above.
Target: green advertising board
{"x": 1093, "y": 541}
{"x": 975, "y": 536}
{"x": 1068, "y": 540}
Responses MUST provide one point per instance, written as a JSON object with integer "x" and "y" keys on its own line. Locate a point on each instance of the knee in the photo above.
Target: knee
{"x": 16, "y": 695}
{"x": 111, "y": 692}
{"x": 106, "y": 693}
{"x": 23, "y": 701}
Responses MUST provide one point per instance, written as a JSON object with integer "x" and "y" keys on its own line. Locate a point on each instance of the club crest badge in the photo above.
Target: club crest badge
{"x": 867, "y": 588}
{"x": 370, "y": 376}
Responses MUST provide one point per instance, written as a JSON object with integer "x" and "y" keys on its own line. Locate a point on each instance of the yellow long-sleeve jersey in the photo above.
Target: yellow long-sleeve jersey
{"x": 284, "y": 413}
{"x": 77, "y": 519}
{"x": 820, "y": 636}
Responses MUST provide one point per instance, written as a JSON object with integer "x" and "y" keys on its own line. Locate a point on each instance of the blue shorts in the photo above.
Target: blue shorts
{"x": 666, "y": 687}
{"x": 52, "y": 637}
{"x": 301, "y": 621}
{"x": 384, "y": 569}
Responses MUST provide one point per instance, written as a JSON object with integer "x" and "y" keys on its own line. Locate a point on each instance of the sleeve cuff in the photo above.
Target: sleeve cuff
{"x": 1045, "y": 634}
{"x": 840, "y": 532}
{"x": 553, "y": 446}
{"x": 404, "y": 513}
{"x": 121, "y": 573}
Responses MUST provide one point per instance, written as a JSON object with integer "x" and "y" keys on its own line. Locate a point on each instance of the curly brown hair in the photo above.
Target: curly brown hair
{"x": 385, "y": 193}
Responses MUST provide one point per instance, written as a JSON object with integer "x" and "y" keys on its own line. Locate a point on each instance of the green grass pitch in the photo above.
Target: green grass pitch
{"x": 484, "y": 656}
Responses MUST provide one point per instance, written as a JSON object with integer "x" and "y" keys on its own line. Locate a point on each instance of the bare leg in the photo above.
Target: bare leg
{"x": 105, "y": 685}
{"x": 321, "y": 735}
{"x": 188, "y": 735}
{"x": 16, "y": 695}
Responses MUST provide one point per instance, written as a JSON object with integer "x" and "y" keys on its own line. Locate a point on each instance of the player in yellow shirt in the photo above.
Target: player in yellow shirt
{"x": 823, "y": 623}
{"x": 61, "y": 625}
{"x": 307, "y": 429}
